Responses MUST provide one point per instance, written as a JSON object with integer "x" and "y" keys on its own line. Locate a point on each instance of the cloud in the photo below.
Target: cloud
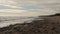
{"x": 8, "y": 3}
{"x": 40, "y": 3}
{"x": 45, "y": 4}
{"x": 50, "y": 6}
{"x": 14, "y": 12}
{"x": 4, "y": 7}
{"x": 11, "y": 12}
{"x": 12, "y": 7}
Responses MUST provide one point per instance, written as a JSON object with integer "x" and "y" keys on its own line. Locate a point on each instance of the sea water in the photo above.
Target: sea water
{"x": 6, "y": 21}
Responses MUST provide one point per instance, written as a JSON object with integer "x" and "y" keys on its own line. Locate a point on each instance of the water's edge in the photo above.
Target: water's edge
{"x": 6, "y": 21}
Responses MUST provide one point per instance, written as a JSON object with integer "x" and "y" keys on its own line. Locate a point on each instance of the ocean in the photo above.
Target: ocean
{"x": 6, "y": 21}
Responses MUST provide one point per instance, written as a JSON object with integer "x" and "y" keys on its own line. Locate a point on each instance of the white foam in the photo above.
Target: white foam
{"x": 6, "y": 21}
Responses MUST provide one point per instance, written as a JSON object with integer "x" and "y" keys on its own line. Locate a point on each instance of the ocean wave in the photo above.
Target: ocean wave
{"x": 6, "y": 21}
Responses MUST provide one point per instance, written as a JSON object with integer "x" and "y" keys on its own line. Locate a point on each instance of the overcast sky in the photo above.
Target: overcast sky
{"x": 29, "y": 7}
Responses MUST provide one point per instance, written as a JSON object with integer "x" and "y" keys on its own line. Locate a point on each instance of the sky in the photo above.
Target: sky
{"x": 29, "y": 7}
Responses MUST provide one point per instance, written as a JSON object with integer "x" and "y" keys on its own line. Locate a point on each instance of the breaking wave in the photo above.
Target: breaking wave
{"x": 6, "y": 21}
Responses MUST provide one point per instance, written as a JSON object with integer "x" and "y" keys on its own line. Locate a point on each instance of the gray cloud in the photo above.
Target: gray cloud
{"x": 52, "y": 6}
{"x": 44, "y": 4}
